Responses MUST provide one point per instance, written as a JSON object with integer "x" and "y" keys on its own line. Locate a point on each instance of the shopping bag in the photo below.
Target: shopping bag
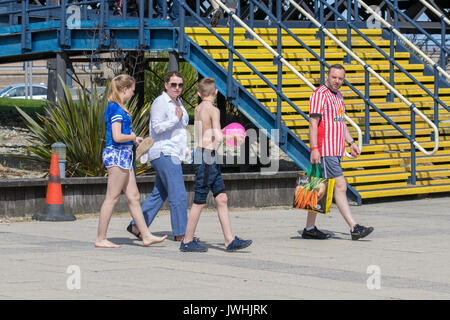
{"x": 313, "y": 192}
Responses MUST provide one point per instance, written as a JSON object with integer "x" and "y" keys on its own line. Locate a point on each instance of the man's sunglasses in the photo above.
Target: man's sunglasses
{"x": 173, "y": 85}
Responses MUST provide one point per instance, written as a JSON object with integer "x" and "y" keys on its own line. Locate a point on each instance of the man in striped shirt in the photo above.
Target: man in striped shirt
{"x": 327, "y": 136}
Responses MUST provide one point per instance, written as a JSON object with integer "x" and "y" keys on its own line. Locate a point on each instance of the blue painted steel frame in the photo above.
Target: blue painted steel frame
{"x": 131, "y": 34}
{"x": 411, "y": 137}
{"x": 391, "y": 60}
{"x": 250, "y": 106}
{"x": 440, "y": 45}
{"x": 365, "y": 97}
{"x": 158, "y": 35}
{"x": 244, "y": 100}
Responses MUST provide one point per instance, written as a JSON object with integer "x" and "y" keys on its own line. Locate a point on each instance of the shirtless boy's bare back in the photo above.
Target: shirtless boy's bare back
{"x": 208, "y": 133}
{"x": 208, "y": 136}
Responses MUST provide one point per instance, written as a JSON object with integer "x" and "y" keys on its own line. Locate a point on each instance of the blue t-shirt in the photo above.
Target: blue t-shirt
{"x": 114, "y": 113}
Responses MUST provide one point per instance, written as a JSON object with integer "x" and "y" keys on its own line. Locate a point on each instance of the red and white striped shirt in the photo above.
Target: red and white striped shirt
{"x": 331, "y": 128}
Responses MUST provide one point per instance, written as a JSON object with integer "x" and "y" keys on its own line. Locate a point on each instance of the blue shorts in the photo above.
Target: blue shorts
{"x": 208, "y": 176}
{"x": 331, "y": 167}
{"x": 121, "y": 156}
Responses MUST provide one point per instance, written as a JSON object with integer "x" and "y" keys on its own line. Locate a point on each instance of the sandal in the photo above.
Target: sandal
{"x": 130, "y": 230}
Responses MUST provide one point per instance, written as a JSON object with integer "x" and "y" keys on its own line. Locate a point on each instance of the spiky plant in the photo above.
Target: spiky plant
{"x": 79, "y": 125}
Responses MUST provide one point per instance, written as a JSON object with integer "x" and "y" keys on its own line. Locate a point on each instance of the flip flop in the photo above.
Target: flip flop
{"x": 130, "y": 230}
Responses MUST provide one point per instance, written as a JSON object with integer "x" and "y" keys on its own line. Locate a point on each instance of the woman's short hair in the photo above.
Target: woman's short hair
{"x": 171, "y": 74}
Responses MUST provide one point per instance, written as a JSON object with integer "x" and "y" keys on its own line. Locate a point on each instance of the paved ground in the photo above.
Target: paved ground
{"x": 406, "y": 257}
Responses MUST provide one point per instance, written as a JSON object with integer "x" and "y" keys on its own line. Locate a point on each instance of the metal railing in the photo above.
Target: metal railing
{"x": 436, "y": 67}
{"x": 435, "y": 11}
{"x": 444, "y": 20}
{"x": 413, "y": 108}
{"x": 279, "y": 57}
{"x": 122, "y": 9}
{"x": 19, "y": 14}
{"x": 405, "y": 40}
{"x": 368, "y": 69}
{"x": 231, "y": 92}
{"x": 101, "y": 9}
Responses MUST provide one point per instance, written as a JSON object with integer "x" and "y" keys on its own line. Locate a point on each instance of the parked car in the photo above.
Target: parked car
{"x": 17, "y": 91}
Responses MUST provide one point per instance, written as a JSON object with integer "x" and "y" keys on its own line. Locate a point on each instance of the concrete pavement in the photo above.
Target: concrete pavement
{"x": 406, "y": 257}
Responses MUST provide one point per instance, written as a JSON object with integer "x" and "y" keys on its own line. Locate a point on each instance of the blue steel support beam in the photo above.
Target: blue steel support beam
{"x": 246, "y": 103}
{"x": 159, "y": 35}
{"x": 295, "y": 148}
{"x": 46, "y": 36}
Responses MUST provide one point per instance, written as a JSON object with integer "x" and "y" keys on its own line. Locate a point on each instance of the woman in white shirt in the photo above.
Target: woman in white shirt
{"x": 168, "y": 121}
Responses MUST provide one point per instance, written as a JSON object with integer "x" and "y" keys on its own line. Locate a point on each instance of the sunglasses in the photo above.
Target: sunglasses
{"x": 173, "y": 85}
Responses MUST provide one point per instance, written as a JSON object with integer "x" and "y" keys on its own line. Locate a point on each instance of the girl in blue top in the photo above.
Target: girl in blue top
{"x": 118, "y": 159}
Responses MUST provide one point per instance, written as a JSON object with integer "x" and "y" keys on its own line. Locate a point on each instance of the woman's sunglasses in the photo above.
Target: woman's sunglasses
{"x": 173, "y": 85}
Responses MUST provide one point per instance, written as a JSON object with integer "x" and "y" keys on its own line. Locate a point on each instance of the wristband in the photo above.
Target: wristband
{"x": 350, "y": 143}
{"x": 312, "y": 148}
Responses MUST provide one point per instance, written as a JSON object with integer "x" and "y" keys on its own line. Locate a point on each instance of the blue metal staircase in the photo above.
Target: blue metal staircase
{"x": 45, "y": 39}
{"x": 50, "y": 30}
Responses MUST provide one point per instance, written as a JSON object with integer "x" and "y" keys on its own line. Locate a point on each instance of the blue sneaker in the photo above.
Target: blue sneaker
{"x": 238, "y": 244}
{"x": 192, "y": 246}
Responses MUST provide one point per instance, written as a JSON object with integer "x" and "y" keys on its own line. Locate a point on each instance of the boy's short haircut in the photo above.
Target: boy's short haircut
{"x": 207, "y": 87}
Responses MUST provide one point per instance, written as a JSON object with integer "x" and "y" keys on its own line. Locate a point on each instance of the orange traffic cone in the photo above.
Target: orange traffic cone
{"x": 54, "y": 207}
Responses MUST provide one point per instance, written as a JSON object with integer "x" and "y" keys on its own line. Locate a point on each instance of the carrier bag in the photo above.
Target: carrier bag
{"x": 313, "y": 192}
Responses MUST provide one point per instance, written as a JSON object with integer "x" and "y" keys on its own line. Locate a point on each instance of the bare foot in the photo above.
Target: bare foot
{"x": 105, "y": 244}
{"x": 153, "y": 240}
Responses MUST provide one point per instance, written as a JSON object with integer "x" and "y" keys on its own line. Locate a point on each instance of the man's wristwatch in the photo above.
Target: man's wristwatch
{"x": 351, "y": 142}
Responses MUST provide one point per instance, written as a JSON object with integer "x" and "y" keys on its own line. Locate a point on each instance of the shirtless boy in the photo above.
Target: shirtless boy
{"x": 208, "y": 135}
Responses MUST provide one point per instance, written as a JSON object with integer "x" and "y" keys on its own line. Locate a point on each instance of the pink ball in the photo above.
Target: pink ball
{"x": 236, "y": 129}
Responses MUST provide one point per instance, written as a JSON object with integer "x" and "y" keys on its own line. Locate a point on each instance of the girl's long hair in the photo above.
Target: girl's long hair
{"x": 117, "y": 85}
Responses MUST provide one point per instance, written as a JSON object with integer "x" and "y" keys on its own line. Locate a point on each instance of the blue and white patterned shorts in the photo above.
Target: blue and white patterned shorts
{"x": 114, "y": 156}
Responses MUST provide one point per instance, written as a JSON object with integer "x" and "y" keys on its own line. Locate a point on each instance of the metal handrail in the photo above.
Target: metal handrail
{"x": 427, "y": 59}
{"x": 365, "y": 97}
{"x": 435, "y": 11}
{"x": 287, "y": 64}
{"x": 441, "y": 45}
{"x": 384, "y": 82}
{"x": 102, "y": 10}
{"x": 395, "y": 8}
{"x": 231, "y": 48}
{"x": 436, "y": 98}
{"x": 444, "y": 52}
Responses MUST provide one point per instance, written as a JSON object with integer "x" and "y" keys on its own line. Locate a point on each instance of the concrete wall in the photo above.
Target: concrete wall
{"x": 25, "y": 197}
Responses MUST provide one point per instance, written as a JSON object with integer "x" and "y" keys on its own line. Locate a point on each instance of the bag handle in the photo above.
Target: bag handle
{"x": 318, "y": 170}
